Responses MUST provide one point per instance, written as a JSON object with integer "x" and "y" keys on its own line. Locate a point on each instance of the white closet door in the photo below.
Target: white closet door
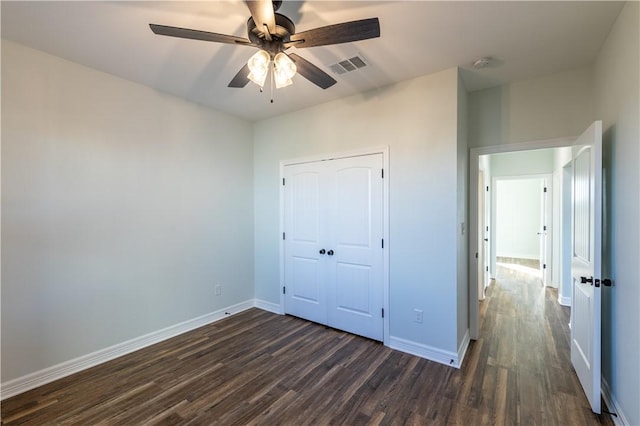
{"x": 334, "y": 267}
{"x": 355, "y": 270}
{"x": 305, "y": 224}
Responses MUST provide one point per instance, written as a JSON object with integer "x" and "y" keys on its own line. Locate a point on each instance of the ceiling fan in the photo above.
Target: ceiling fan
{"x": 274, "y": 33}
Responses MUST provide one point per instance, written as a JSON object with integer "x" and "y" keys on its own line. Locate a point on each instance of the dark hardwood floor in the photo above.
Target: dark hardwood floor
{"x": 261, "y": 368}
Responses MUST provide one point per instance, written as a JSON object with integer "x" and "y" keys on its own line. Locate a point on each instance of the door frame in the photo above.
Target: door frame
{"x": 482, "y": 268}
{"x": 474, "y": 158}
{"x": 545, "y": 217}
{"x": 565, "y": 289}
{"x": 384, "y": 150}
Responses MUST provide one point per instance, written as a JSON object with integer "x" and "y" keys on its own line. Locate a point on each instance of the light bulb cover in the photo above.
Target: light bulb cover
{"x": 284, "y": 70}
{"x": 259, "y": 67}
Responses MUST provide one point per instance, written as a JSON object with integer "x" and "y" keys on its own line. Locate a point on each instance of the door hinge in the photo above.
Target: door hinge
{"x": 487, "y": 188}
{"x": 544, "y": 228}
{"x": 486, "y": 268}
{"x": 383, "y": 243}
{"x": 382, "y": 312}
{"x": 382, "y": 173}
{"x": 545, "y": 189}
{"x": 487, "y": 229}
{"x": 284, "y": 290}
{"x": 282, "y": 181}
{"x": 476, "y": 255}
{"x": 544, "y": 266}
{"x": 283, "y": 236}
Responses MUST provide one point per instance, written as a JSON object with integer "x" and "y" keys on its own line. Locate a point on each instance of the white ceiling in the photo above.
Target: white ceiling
{"x": 527, "y": 39}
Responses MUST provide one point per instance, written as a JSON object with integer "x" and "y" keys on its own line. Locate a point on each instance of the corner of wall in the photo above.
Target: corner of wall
{"x": 462, "y": 212}
{"x": 451, "y": 359}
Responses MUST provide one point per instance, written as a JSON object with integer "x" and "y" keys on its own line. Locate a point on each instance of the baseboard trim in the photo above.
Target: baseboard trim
{"x": 613, "y": 405}
{"x": 564, "y": 301}
{"x": 268, "y": 306}
{"x": 451, "y": 359}
{"x": 67, "y": 368}
{"x": 464, "y": 345}
{"x": 517, "y": 256}
{"x": 403, "y": 345}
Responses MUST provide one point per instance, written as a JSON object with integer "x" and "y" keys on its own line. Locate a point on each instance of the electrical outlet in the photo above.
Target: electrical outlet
{"x": 417, "y": 316}
{"x": 218, "y": 290}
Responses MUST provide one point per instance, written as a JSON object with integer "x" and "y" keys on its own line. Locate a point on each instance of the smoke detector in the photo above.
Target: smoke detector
{"x": 482, "y": 63}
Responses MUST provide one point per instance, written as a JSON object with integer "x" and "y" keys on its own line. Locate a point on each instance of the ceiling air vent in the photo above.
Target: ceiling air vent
{"x": 348, "y": 65}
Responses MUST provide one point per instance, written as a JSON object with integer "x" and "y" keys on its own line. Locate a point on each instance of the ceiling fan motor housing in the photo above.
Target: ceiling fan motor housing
{"x": 284, "y": 29}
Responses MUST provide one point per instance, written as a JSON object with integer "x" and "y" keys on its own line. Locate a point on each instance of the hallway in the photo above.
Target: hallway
{"x": 524, "y": 352}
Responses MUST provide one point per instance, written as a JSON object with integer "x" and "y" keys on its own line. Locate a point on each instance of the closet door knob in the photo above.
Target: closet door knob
{"x": 330, "y": 252}
{"x": 322, "y": 251}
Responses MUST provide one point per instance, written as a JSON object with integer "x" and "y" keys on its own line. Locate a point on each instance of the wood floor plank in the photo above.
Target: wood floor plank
{"x": 263, "y": 369}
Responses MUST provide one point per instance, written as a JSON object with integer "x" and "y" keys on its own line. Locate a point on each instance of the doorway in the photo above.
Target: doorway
{"x": 510, "y": 161}
{"x": 522, "y": 222}
{"x": 585, "y": 155}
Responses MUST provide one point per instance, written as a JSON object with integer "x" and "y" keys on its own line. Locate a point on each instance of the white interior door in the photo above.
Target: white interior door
{"x": 305, "y": 227}
{"x": 355, "y": 266}
{"x": 333, "y": 223}
{"x": 585, "y": 260}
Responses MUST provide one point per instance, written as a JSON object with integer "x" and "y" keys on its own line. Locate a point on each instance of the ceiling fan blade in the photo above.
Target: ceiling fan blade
{"x": 312, "y": 72}
{"x": 339, "y": 33}
{"x": 241, "y": 79}
{"x": 263, "y": 15}
{"x": 198, "y": 35}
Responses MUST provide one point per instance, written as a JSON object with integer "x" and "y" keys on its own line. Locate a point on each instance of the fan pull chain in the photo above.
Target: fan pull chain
{"x": 273, "y": 81}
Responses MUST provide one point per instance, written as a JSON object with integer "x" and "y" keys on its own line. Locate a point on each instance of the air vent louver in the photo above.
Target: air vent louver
{"x": 348, "y": 65}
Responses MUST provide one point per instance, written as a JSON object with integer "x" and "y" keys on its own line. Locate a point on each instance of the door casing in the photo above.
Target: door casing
{"x": 545, "y": 217}
{"x": 474, "y": 158}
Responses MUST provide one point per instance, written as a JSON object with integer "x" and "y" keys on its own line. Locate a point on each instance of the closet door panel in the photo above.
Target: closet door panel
{"x": 353, "y": 289}
{"x": 355, "y": 279}
{"x": 305, "y": 294}
{"x": 351, "y": 225}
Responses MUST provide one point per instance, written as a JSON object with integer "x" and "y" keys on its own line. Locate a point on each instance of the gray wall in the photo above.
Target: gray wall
{"x": 532, "y": 162}
{"x": 555, "y": 106}
{"x": 417, "y": 119}
{"x": 617, "y": 89}
{"x": 121, "y": 209}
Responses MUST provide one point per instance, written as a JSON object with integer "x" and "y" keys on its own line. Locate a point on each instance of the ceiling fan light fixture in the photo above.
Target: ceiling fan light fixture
{"x": 259, "y": 67}
{"x": 282, "y": 82}
{"x": 284, "y": 69}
